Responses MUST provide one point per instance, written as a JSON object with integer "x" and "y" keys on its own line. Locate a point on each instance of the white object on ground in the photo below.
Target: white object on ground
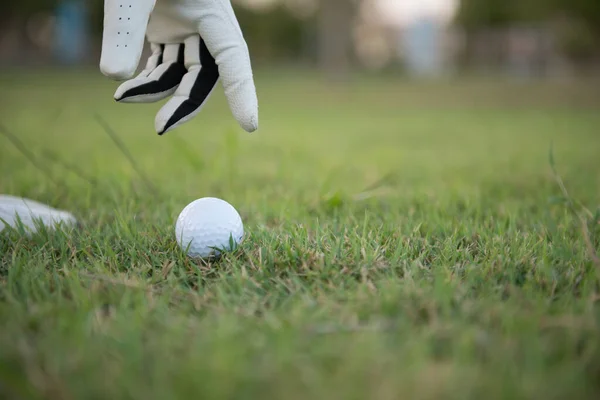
{"x": 208, "y": 225}
{"x": 31, "y": 213}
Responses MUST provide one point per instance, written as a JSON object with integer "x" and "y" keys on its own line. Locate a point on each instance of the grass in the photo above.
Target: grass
{"x": 404, "y": 240}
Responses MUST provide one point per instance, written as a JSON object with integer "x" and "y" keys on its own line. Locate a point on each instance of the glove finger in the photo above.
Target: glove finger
{"x": 194, "y": 90}
{"x": 123, "y": 35}
{"x": 224, "y": 39}
{"x": 163, "y": 73}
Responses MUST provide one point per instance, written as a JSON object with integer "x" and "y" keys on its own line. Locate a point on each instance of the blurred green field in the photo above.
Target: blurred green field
{"x": 404, "y": 240}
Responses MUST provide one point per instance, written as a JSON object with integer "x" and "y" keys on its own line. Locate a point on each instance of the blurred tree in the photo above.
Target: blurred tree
{"x": 580, "y": 37}
{"x": 579, "y": 33}
{"x": 24, "y": 8}
{"x": 20, "y": 33}
{"x": 318, "y": 30}
{"x": 480, "y": 13}
{"x": 335, "y": 28}
{"x": 586, "y": 10}
{"x": 474, "y": 14}
{"x": 273, "y": 34}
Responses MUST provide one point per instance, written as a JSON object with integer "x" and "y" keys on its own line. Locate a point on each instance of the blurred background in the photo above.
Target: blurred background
{"x": 459, "y": 92}
{"x": 425, "y": 38}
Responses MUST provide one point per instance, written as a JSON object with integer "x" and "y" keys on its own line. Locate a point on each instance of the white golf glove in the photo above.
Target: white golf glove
{"x": 193, "y": 42}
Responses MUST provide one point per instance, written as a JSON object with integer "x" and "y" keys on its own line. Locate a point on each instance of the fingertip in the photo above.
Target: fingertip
{"x": 167, "y": 117}
{"x": 161, "y": 125}
{"x": 117, "y": 72}
{"x": 250, "y": 123}
{"x": 118, "y": 96}
{"x": 244, "y": 107}
{"x": 120, "y": 54}
{"x": 243, "y": 102}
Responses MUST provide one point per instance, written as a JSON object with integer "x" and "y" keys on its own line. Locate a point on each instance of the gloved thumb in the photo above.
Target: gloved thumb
{"x": 125, "y": 24}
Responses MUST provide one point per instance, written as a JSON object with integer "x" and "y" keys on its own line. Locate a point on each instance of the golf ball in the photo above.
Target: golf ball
{"x": 208, "y": 225}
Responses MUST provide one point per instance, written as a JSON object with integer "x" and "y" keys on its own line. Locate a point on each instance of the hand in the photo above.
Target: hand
{"x": 194, "y": 44}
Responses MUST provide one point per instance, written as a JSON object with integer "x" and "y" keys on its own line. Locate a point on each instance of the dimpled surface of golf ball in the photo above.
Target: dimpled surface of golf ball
{"x": 207, "y": 225}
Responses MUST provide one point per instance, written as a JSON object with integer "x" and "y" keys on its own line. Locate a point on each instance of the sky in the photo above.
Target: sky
{"x": 404, "y": 11}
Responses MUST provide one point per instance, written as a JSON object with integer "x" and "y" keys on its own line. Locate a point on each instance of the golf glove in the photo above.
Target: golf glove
{"x": 194, "y": 43}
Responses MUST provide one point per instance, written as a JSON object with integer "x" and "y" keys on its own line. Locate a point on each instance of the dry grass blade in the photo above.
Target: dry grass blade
{"x": 70, "y": 167}
{"x": 28, "y": 154}
{"x": 192, "y": 297}
{"x": 583, "y": 221}
{"x": 121, "y": 146}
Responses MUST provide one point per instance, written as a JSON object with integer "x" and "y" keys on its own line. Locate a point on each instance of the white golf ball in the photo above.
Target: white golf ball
{"x": 208, "y": 225}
